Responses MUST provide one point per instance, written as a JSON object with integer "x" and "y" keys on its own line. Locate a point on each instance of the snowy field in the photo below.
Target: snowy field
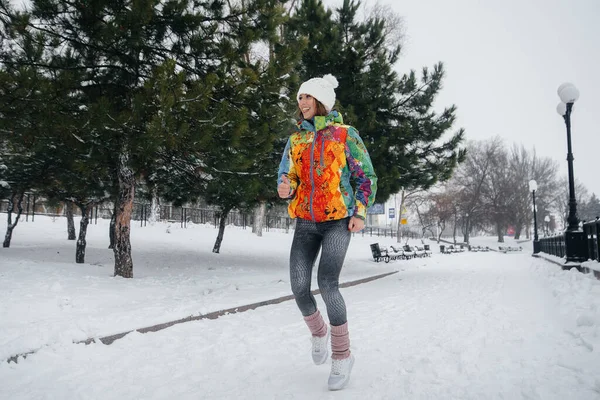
{"x": 458, "y": 326}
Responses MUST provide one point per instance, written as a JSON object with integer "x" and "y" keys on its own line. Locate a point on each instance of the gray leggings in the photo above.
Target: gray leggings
{"x": 333, "y": 238}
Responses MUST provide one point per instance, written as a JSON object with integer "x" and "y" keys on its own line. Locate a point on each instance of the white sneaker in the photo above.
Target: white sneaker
{"x": 340, "y": 372}
{"x": 320, "y": 350}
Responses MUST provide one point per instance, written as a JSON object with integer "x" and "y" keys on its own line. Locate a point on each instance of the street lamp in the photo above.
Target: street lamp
{"x": 568, "y": 94}
{"x": 547, "y": 219}
{"x": 576, "y": 248}
{"x": 536, "y": 242}
{"x": 467, "y": 228}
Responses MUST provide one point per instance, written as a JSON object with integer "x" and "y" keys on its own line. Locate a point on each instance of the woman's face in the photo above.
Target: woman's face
{"x": 308, "y": 105}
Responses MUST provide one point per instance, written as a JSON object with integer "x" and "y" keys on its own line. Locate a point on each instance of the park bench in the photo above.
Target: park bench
{"x": 456, "y": 249}
{"x": 407, "y": 251}
{"x": 383, "y": 254}
{"x": 509, "y": 249}
{"x": 424, "y": 250}
{"x": 451, "y": 249}
{"x": 379, "y": 254}
{"x": 417, "y": 250}
{"x": 478, "y": 248}
{"x": 400, "y": 253}
{"x": 397, "y": 254}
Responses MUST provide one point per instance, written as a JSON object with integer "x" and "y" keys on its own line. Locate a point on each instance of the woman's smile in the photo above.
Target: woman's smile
{"x": 307, "y": 105}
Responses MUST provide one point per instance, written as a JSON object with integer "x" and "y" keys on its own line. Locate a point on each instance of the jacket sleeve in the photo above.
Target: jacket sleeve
{"x": 287, "y": 167}
{"x": 362, "y": 173}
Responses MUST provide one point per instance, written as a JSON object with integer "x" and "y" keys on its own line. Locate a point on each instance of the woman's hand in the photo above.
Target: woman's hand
{"x": 356, "y": 224}
{"x": 284, "y": 189}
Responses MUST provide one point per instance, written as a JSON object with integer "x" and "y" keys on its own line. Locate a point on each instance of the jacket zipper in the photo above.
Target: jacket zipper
{"x": 312, "y": 177}
{"x": 322, "y": 150}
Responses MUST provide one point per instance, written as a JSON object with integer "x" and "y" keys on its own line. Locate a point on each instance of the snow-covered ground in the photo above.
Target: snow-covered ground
{"x": 458, "y": 326}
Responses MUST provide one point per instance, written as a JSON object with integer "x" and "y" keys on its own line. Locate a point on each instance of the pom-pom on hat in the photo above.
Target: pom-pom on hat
{"x": 321, "y": 89}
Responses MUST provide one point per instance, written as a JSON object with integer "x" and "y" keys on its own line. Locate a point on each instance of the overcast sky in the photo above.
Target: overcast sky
{"x": 505, "y": 60}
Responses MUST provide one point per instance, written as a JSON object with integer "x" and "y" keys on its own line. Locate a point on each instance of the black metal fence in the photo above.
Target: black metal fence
{"x": 582, "y": 246}
{"x": 185, "y": 215}
{"x": 141, "y": 213}
{"x": 554, "y": 245}
{"x": 389, "y": 232}
{"x": 592, "y": 232}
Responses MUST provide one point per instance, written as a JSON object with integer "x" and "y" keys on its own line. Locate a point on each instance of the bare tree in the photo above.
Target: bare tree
{"x": 560, "y": 199}
{"x": 15, "y": 200}
{"x": 498, "y": 191}
{"x": 520, "y": 172}
{"x": 423, "y": 206}
{"x": 545, "y": 172}
{"x": 405, "y": 195}
{"x": 470, "y": 180}
{"x": 489, "y": 191}
{"x": 443, "y": 210}
{"x": 394, "y": 28}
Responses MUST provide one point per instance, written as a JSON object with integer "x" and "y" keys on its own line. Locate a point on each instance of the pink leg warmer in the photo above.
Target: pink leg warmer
{"x": 340, "y": 342}
{"x": 316, "y": 324}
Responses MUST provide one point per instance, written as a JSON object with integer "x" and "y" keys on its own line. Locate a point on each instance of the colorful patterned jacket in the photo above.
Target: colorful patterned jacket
{"x": 329, "y": 169}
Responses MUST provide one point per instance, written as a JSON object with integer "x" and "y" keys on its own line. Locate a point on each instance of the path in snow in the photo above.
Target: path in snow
{"x": 478, "y": 327}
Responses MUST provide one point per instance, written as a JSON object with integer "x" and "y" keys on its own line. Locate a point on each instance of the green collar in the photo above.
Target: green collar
{"x": 320, "y": 122}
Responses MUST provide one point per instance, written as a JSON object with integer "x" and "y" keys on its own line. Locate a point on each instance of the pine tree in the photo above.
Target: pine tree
{"x": 115, "y": 49}
{"x": 270, "y": 118}
{"x": 27, "y": 108}
{"x": 229, "y": 161}
{"x": 59, "y": 139}
{"x": 393, "y": 114}
{"x": 262, "y": 80}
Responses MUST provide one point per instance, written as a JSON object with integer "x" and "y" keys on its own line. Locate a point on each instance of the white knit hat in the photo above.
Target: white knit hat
{"x": 321, "y": 89}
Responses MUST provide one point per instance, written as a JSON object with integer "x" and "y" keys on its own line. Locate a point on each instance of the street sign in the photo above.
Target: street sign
{"x": 377, "y": 208}
{"x": 392, "y": 213}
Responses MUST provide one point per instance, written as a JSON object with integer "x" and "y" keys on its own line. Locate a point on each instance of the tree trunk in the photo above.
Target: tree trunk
{"x": 259, "y": 218}
{"x": 440, "y": 231}
{"x": 454, "y": 231}
{"x": 222, "y": 221}
{"x": 81, "y": 242}
{"x": 466, "y": 234}
{"x": 11, "y": 207}
{"x": 70, "y": 223}
{"x": 500, "y": 233}
{"x": 399, "y": 212}
{"x": 518, "y": 230}
{"x": 154, "y": 206}
{"x": 111, "y": 228}
{"x": 124, "y": 208}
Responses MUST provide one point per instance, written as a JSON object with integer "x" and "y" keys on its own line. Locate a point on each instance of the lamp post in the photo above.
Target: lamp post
{"x": 547, "y": 219}
{"x": 569, "y": 94}
{"x": 575, "y": 244}
{"x": 467, "y": 228}
{"x": 536, "y": 242}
